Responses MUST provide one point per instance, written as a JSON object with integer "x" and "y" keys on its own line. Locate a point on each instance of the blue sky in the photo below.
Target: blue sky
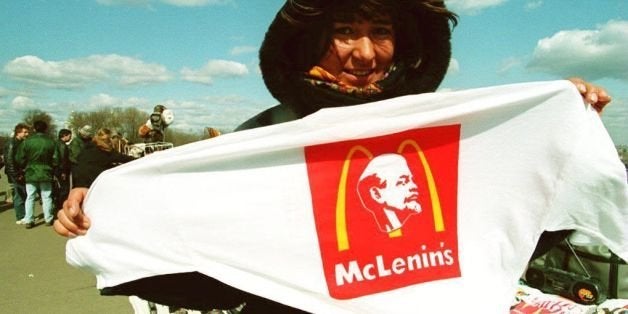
{"x": 199, "y": 57}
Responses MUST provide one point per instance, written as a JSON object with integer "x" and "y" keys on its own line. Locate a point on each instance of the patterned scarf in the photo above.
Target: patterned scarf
{"x": 318, "y": 76}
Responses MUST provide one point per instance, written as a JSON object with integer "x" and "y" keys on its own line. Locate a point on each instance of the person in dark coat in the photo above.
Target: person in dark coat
{"x": 97, "y": 156}
{"x": 78, "y": 143}
{"x": 62, "y": 171}
{"x": 318, "y": 54}
{"x": 15, "y": 173}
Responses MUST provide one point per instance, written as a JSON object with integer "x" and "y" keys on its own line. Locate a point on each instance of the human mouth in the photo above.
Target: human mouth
{"x": 359, "y": 72}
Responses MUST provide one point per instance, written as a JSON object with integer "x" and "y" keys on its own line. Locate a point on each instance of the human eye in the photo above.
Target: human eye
{"x": 403, "y": 181}
{"x": 343, "y": 30}
{"x": 382, "y": 32}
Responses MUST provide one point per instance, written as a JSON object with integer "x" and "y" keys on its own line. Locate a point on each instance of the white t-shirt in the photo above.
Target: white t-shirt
{"x": 276, "y": 211}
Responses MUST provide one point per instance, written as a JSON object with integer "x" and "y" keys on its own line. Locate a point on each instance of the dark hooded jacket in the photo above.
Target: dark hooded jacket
{"x": 422, "y": 54}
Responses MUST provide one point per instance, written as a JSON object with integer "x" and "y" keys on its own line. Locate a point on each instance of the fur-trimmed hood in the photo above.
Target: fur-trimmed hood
{"x": 422, "y": 63}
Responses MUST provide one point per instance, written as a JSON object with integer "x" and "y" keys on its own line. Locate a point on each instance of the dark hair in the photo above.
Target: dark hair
{"x": 315, "y": 18}
{"x": 19, "y": 127}
{"x": 40, "y": 126}
{"x": 64, "y": 132}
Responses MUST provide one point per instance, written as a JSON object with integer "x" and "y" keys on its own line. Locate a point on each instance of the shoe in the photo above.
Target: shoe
{"x": 29, "y": 225}
{"x": 20, "y": 222}
{"x": 50, "y": 223}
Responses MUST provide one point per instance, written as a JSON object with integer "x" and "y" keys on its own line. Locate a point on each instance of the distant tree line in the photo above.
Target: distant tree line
{"x": 125, "y": 121}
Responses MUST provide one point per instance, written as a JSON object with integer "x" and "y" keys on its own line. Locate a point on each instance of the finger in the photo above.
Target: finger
{"x": 61, "y": 230}
{"x": 598, "y": 108}
{"x": 72, "y": 208}
{"x": 74, "y": 213}
{"x": 591, "y": 97}
{"x": 580, "y": 84}
{"x": 598, "y": 98}
{"x": 603, "y": 97}
{"x": 65, "y": 225}
{"x": 77, "y": 215}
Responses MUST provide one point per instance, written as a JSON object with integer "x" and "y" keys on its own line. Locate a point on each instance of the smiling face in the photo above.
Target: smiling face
{"x": 361, "y": 51}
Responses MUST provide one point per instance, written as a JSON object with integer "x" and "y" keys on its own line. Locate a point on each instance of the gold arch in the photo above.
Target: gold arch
{"x": 341, "y": 199}
{"x": 437, "y": 212}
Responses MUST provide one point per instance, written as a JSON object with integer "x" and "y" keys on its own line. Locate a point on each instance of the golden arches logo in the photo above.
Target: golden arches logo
{"x": 437, "y": 211}
{"x": 342, "y": 236}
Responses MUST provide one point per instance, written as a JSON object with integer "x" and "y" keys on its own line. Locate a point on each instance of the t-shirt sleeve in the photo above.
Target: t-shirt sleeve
{"x": 591, "y": 194}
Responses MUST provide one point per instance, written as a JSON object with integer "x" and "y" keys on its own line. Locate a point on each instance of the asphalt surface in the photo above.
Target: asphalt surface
{"x": 34, "y": 276}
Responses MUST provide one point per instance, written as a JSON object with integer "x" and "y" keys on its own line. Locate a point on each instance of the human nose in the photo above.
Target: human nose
{"x": 413, "y": 187}
{"x": 363, "y": 49}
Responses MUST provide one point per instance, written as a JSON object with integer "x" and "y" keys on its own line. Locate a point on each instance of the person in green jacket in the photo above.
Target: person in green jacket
{"x": 39, "y": 156}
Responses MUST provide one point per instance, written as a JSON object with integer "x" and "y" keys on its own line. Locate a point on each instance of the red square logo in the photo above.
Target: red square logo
{"x": 386, "y": 209}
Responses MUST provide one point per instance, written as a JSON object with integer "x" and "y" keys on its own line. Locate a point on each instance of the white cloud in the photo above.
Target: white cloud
{"x": 594, "y": 54}
{"x": 508, "y": 64}
{"x": 130, "y": 71}
{"x": 66, "y": 74}
{"x": 239, "y": 50}
{"x": 214, "y": 69}
{"x": 104, "y": 100}
{"x": 454, "y": 66}
{"x": 471, "y": 7}
{"x": 533, "y": 4}
{"x": 78, "y": 73}
{"x": 22, "y": 103}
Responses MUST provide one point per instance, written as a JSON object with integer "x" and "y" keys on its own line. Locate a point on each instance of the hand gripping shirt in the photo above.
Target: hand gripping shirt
{"x": 423, "y": 203}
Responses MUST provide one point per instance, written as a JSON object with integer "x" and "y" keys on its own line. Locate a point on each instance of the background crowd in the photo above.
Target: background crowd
{"x": 40, "y": 168}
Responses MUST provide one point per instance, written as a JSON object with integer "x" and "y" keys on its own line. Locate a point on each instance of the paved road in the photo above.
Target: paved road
{"x": 34, "y": 277}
